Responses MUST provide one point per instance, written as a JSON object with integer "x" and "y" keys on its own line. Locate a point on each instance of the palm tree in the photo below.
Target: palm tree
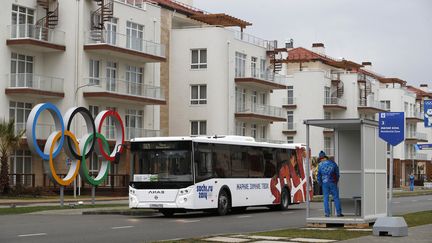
{"x": 9, "y": 141}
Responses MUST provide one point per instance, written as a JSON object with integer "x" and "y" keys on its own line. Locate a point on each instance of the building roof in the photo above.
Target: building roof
{"x": 220, "y": 19}
{"x": 420, "y": 93}
{"x": 392, "y": 81}
{"x": 301, "y": 54}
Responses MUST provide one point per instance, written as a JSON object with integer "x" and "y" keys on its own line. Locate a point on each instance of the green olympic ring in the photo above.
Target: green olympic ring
{"x": 103, "y": 172}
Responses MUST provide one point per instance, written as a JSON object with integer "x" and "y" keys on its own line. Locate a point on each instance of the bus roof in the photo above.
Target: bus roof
{"x": 232, "y": 140}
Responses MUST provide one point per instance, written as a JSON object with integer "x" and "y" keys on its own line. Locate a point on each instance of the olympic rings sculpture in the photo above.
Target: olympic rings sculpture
{"x": 76, "y": 149}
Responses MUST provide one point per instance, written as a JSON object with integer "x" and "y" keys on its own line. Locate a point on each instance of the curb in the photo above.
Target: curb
{"x": 127, "y": 212}
{"x": 28, "y": 202}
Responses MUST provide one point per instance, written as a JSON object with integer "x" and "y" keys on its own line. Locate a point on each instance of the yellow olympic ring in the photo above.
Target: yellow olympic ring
{"x": 75, "y": 163}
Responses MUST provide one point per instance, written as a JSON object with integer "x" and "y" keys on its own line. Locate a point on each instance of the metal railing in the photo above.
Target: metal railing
{"x": 35, "y": 81}
{"x": 125, "y": 41}
{"x": 269, "y": 45}
{"x": 417, "y": 156}
{"x": 416, "y": 135}
{"x": 43, "y": 130}
{"x": 371, "y": 103}
{"x": 25, "y": 180}
{"x": 265, "y": 110}
{"x": 418, "y": 115}
{"x": 31, "y": 31}
{"x": 290, "y": 126}
{"x": 264, "y": 75}
{"x": 135, "y": 3}
{"x": 124, "y": 87}
{"x": 132, "y": 132}
{"x": 289, "y": 101}
{"x": 334, "y": 101}
{"x": 267, "y": 140}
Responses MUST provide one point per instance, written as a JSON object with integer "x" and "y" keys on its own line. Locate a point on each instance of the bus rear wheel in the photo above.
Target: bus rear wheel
{"x": 167, "y": 212}
{"x": 223, "y": 203}
{"x": 285, "y": 199}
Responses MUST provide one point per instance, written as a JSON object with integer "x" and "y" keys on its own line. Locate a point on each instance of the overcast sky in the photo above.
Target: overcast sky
{"x": 395, "y": 35}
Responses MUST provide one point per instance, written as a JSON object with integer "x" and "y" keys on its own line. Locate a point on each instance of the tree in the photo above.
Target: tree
{"x": 9, "y": 141}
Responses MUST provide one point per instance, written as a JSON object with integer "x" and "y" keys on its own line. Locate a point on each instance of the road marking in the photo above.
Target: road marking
{"x": 429, "y": 199}
{"x": 122, "y": 227}
{"x": 35, "y": 234}
{"x": 187, "y": 221}
{"x": 244, "y": 216}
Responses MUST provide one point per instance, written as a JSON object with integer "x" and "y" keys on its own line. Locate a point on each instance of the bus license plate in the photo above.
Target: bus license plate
{"x": 156, "y": 205}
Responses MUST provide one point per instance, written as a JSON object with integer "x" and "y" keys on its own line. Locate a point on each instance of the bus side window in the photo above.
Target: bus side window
{"x": 239, "y": 162}
{"x": 256, "y": 160}
{"x": 222, "y": 162}
{"x": 270, "y": 163}
{"x": 204, "y": 162}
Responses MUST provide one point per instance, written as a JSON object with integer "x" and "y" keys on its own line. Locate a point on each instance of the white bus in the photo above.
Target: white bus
{"x": 223, "y": 174}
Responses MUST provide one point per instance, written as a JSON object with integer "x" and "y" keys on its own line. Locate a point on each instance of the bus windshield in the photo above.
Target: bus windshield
{"x": 161, "y": 164}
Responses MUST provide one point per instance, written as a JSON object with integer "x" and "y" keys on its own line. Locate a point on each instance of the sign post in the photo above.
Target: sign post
{"x": 391, "y": 130}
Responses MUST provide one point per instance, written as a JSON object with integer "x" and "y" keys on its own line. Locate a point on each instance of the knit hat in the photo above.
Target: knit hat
{"x": 321, "y": 155}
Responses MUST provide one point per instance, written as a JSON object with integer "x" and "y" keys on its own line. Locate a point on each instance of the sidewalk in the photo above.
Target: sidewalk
{"x": 419, "y": 234}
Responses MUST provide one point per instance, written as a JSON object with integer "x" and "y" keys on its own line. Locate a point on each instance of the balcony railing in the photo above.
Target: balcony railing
{"x": 125, "y": 41}
{"x": 264, "y": 110}
{"x": 135, "y": 3}
{"x": 34, "y": 81}
{"x": 289, "y": 101}
{"x": 266, "y": 140}
{"x": 35, "y": 32}
{"x": 25, "y": 180}
{"x": 43, "y": 130}
{"x": 124, "y": 87}
{"x": 334, "y": 101}
{"x": 289, "y": 126}
{"x": 264, "y": 75}
{"x": 417, "y": 156}
{"x": 132, "y": 132}
{"x": 241, "y": 36}
{"x": 372, "y": 104}
{"x": 416, "y": 135}
{"x": 418, "y": 115}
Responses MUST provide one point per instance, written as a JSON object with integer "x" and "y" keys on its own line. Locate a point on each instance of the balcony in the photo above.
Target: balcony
{"x": 334, "y": 103}
{"x": 132, "y": 132}
{"x": 121, "y": 91}
{"x": 417, "y": 156}
{"x": 266, "y": 140}
{"x": 414, "y": 117}
{"x": 259, "y": 112}
{"x": 370, "y": 106}
{"x": 241, "y": 36}
{"x": 289, "y": 128}
{"x": 289, "y": 103}
{"x": 33, "y": 85}
{"x": 43, "y": 130}
{"x": 35, "y": 38}
{"x": 263, "y": 80}
{"x": 415, "y": 137}
{"x": 104, "y": 42}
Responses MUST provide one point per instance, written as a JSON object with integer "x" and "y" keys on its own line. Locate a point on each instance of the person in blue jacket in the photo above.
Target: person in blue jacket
{"x": 411, "y": 178}
{"x": 328, "y": 178}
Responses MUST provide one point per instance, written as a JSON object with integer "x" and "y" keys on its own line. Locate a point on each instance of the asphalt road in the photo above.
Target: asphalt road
{"x": 116, "y": 228}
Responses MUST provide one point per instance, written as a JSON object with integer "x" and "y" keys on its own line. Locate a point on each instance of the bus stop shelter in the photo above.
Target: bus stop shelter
{"x": 361, "y": 157}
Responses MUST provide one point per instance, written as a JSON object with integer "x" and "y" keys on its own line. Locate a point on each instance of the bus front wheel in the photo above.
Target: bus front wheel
{"x": 223, "y": 203}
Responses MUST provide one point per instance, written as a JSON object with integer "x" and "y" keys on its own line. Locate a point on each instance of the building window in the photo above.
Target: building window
{"x": 134, "y": 36}
{"x": 198, "y": 94}
{"x": 327, "y": 115}
{"x": 290, "y": 120}
{"x": 290, "y": 93}
{"x": 21, "y": 70}
{"x": 254, "y": 130}
{"x": 199, "y": 58}
{"x": 386, "y": 104}
{"x": 263, "y": 98}
{"x": 328, "y": 147}
{"x": 134, "y": 80}
{"x": 19, "y": 112}
{"x": 111, "y": 31}
{"x": 290, "y": 139}
{"x": 254, "y": 70}
{"x": 240, "y": 64}
{"x": 94, "y": 110}
{"x": 21, "y": 163}
{"x": 263, "y": 133}
{"x": 94, "y": 71}
{"x": 134, "y": 123}
{"x": 198, "y": 127}
{"x": 22, "y": 22}
{"x": 110, "y": 131}
{"x": 327, "y": 95}
{"x": 263, "y": 71}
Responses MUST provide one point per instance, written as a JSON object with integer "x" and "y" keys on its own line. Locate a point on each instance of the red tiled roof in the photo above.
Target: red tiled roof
{"x": 420, "y": 93}
{"x": 301, "y": 54}
{"x": 179, "y": 7}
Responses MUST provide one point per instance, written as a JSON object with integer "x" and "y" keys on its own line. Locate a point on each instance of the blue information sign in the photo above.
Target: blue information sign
{"x": 423, "y": 146}
{"x": 392, "y": 127}
{"x": 428, "y": 113}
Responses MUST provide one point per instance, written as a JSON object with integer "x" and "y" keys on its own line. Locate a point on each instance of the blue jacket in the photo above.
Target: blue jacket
{"x": 328, "y": 172}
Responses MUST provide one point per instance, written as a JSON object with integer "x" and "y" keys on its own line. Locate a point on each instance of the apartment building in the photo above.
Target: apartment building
{"x": 322, "y": 87}
{"x": 221, "y": 80}
{"x": 100, "y": 54}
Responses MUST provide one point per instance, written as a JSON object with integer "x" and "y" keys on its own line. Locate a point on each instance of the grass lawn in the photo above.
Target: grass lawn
{"x": 21, "y": 210}
{"x": 418, "y": 218}
{"x": 339, "y": 234}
